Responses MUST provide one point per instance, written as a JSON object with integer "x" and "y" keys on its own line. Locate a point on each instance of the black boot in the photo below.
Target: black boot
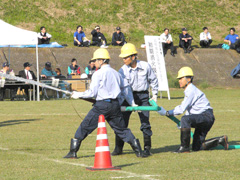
{"x": 135, "y": 144}
{"x": 185, "y": 141}
{"x": 74, "y": 147}
{"x": 147, "y": 146}
{"x": 213, "y": 142}
{"x": 118, "y": 146}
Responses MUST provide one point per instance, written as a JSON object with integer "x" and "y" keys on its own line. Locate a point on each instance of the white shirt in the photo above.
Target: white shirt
{"x": 164, "y": 38}
{"x": 204, "y": 36}
{"x": 28, "y": 74}
{"x": 195, "y": 102}
{"x": 140, "y": 78}
{"x": 107, "y": 83}
{"x": 41, "y": 36}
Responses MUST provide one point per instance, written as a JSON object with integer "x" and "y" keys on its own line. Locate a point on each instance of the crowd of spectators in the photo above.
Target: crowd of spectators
{"x": 118, "y": 39}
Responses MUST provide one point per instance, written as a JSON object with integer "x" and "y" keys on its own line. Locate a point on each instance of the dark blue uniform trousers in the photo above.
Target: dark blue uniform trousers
{"x": 141, "y": 99}
{"x": 111, "y": 111}
{"x": 202, "y": 124}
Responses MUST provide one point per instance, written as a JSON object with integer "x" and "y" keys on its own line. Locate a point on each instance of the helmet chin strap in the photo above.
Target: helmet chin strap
{"x": 133, "y": 61}
{"x": 187, "y": 81}
{"x": 102, "y": 63}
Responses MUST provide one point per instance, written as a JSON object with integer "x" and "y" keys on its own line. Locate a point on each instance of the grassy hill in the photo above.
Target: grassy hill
{"x": 136, "y": 18}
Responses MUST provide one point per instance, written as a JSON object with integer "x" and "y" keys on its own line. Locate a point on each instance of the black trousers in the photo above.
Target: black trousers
{"x": 205, "y": 44}
{"x": 141, "y": 99}
{"x": 98, "y": 42}
{"x": 83, "y": 44}
{"x": 185, "y": 45}
{"x": 111, "y": 111}
{"x": 116, "y": 44}
{"x": 202, "y": 124}
{"x": 167, "y": 46}
{"x": 235, "y": 45}
{"x": 44, "y": 41}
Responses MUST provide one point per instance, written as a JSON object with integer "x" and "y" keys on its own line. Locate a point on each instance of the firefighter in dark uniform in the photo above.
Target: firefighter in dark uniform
{"x": 198, "y": 115}
{"x": 107, "y": 86}
{"x": 139, "y": 75}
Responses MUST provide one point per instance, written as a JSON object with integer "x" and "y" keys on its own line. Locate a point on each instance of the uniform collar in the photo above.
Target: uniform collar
{"x": 105, "y": 66}
{"x": 137, "y": 67}
{"x": 189, "y": 87}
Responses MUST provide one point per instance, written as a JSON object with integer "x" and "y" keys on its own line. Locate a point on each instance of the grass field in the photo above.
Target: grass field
{"x": 34, "y": 136}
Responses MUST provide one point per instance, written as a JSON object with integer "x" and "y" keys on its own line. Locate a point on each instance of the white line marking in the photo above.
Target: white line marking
{"x": 129, "y": 174}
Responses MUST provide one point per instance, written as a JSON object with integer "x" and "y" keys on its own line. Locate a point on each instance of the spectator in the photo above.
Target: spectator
{"x": 43, "y": 36}
{"x": 98, "y": 38}
{"x": 27, "y": 74}
{"x": 91, "y": 68}
{"x": 185, "y": 41}
{"x": 167, "y": 42}
{"x": 118, "y": 38}
{"x": 205, "y": 38}
{"x": 13, "y": 89}
{"x": 233, "y": 40}
{"x": 73, "y": 69}
{"x": 80, "y": 39}
{"x": 47, "y": 71}
{"x": 62, "y": 84}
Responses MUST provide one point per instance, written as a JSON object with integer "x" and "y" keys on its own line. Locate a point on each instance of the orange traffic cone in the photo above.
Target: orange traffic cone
{"x": 102, "y": 154}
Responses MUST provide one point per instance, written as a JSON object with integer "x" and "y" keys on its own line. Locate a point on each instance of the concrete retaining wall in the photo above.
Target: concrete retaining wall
{"x": 211, "y": 65}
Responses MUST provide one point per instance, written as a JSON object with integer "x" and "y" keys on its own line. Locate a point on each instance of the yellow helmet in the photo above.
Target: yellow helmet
{"x": 185, "y": 71}
{"x": 101, "y": 53}
{"x": 128, "y": 50}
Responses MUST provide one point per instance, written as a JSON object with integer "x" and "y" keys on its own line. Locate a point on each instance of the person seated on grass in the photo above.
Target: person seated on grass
{"x": 13, "y": 89}
{"x": 198, "y": 115}
{"x": 43, "y": 36}
{"x": 91, "y": 68}
{"x": 205, "y": 38}
{"x": 185, "y": 41}
{"x": 118, "y": 38}
{"x": 80, "y": 38}
{"x": 98, "y": 38}
{"x": 27, "y": 74}
{"x": 167, "y": 42}
{"x": 233, "y": 40}
{"x": 73, "y": 69}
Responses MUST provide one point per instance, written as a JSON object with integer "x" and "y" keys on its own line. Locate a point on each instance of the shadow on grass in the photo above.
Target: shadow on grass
{"x": 126, "y": 165}
{"x": 165, "y": 97}
{"x": 16, "y": 122}
{"x": 164, "y": 149}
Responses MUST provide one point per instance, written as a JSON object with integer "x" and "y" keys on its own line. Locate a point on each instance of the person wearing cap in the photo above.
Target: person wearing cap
{"x": 167, "y": 42}
{"x": 198, "y": 115}
{"x": 98, "y": 38}
{"x": 118, "y": 38}
{"x": 13, "y": 89}
{"x": 205, "y": 38}
{"x": 43, "y": 36}
{"x": 185, "y": 41}
{"x": 233, "y": 40}
{"x": 139, "y": 75}
{"x": 73, "y": 69}
{"x": 106, "y": 87}
{"x": 80, "y": 38}
{"x": 47, "y": 71}
{"x": 27, "y": 74}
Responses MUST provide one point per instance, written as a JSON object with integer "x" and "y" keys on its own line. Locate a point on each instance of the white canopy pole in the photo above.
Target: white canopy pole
{"x": 38, "y": 97}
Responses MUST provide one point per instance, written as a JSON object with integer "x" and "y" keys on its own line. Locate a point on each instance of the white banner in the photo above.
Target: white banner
{"x": 155, "y": 58}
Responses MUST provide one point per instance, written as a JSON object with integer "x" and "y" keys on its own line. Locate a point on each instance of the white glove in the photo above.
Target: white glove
{"x": 154, "y": 97}
{"x": 135, "y": 105}
{"x": 162, "y": 111}
{"x": 76, "y": 95}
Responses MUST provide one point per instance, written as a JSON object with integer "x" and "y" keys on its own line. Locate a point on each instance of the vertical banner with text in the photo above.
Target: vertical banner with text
{"x": 155, "y": 58}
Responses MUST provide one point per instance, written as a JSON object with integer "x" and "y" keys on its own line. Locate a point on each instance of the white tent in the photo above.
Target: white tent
{"x": 11, "y": 35}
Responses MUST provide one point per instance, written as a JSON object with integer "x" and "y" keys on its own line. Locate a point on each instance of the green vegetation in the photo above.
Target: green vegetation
{"x": 137, "y": 18}
{"x": 36, "y": 135}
